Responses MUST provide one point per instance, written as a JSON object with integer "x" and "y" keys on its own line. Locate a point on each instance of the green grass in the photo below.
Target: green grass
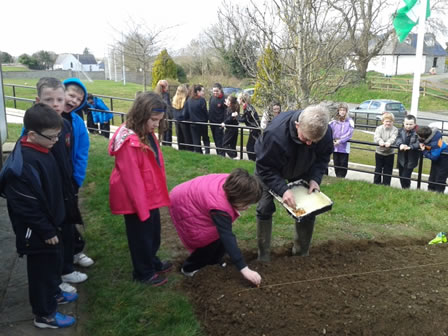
{"x": 14, "y": 131}
{"x": 117, "y": 306}
{"x": 12, "y": 68}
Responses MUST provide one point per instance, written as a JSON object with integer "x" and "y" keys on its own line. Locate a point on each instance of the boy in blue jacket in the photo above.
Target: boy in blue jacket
{"x": 435, "y": 149}
{"x": 32, "y": 185}
{"x": 99, "y": 117}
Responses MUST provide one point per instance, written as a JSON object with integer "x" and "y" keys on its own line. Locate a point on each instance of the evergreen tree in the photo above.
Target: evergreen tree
{"x": 163, "y": 68}
{"x": 267, "y": 86}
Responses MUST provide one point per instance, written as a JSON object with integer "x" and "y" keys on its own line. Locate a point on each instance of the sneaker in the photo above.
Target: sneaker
{"x": 57, "y": 320}
{"x": 156, "y": 280}
{"x": 82, "y": 260}
{"x": 64, "y": 297}
{"x": 188, "y": 274}
{"x": 74, "y": 277}
{"x": 165, "y": 268}
{"x": 65, "y": 287}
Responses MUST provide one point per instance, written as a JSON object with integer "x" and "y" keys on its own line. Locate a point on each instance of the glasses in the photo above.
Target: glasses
{"x": 49, "y": 137}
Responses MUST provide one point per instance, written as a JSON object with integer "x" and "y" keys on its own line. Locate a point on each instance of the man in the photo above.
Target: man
{"x": 295, "y": 145}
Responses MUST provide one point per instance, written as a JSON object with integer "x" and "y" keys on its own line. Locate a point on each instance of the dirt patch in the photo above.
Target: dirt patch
{"x": 396, "y": 287}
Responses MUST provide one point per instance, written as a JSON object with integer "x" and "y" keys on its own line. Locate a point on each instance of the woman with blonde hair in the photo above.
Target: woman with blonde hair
{"x": 183, "y": 131}
{"x": 162, "y": 89}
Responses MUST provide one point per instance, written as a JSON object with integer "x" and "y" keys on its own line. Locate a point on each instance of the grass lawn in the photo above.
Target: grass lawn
{"x": 117, "y": 306}
{"x": 12, "y": 68}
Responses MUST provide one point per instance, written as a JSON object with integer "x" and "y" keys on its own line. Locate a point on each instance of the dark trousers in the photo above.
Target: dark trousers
{"x": 168, "y": 134}
{"x": 405, "y": 174}
{"x": 183, "y": 133}
{"x": 91, "y": 126}
{"x": 144, "y": 242}
{"x": 44, "y": 277}
{"x": 208, "y": 255}
{"x": 105, "y": 130}
{"x": 340, "y": 160}
{"x": 250, "y": 146}
{"x": 438, "y": 174}
{"x": 384, "y": 164}
{"x": 229, "y": 141}
{"x": 78, "y": 241}
{"x": 218, "y": 135}
{"x": 68, "y": 242}
{"x": 199, "y": 132}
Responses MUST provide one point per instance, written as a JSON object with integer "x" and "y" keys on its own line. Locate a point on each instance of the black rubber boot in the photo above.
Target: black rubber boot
{"x": 303, "y": 236}
{"x": 264, "y": 232}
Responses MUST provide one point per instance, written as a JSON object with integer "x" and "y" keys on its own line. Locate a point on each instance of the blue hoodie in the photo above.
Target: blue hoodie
{"x": 80, "y": 147}
{"x": 100, "y": 117}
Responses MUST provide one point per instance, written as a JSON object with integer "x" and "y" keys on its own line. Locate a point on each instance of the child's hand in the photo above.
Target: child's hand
{"x": 223, "y": 125}
{"x": 252, "y": 276}
{"x": 403, "y": 147}
{"x": 52, "y": 241}
{"x": 381, "y": 143}
{"x": 387, "y": 145}
{"x": 234, "y": 114}
{"x": 422, "y": 146}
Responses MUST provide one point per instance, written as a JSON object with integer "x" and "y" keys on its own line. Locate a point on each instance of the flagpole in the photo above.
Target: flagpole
{"x": 419, "y": 58}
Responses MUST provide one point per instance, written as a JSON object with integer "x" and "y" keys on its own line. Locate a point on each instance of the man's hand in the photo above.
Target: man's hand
{"x": 288, "y": 199}
{"x": 52, "y": 241}
{"x": 313, "y": 186}
{"x": 252, "y": 276}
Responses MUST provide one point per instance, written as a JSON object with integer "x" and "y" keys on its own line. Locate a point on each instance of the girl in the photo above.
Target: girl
{"x": 231, "y": 133}
{"x": 196, "y": 111}
{"x": 183, "y": 131}
{"x": 342, "y": 127}
{"x": 138, "y": 186}
{"x": 273, "y": 111}
{"x": 251, "y": 119}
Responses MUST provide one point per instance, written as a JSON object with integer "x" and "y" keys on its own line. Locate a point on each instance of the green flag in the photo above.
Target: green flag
{"x": 407, "y": 17}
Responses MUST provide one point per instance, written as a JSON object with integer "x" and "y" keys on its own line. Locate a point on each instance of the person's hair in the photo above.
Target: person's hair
{"x": 161, "y": 85}
{"x": 89, "y": 96}
{"x": 145, "y": 105}
{"x": 424, "y": 132}
{"x": 75, "y": 87}
{"x": 41, "y": 117}
{"x": 314, "y": 121}
{"x": 242, "y": 188}
{"x": 275, "y": 103}
{"x": 387, "y": 115}
{"x": 48, "y": 82}
{"x": 218, "y": 86}
{"x": 337, "y": 116}
{"x": 245, "y": 97}
{"x": 411, "y": 117}
{"x": 195, "y": 91}
{"x": 137, "y": 93}
{"x": 234, "y": 106}
{"x": 180, "y": 97}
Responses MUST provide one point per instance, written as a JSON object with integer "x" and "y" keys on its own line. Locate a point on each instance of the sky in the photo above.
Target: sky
{"x": 71, "y": 26}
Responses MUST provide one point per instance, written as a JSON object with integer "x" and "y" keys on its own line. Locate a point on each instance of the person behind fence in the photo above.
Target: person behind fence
{"x": 384, "y": 136}
{"x": 99, "y": 116}
{"x": 217, "y": 110}
{"x": 231, "y": 133}
{"x": 295, "y": 145}
{"x": 408, "y": 150}
{"x": 251, "y": 119}
{"x": 196, "y": 111}
{"x": 203, "y": 210}
{"x": 435, "y": 149}
{"x": 31, "y": 182}
{"x": 138, "y": 186}
{"x": 342, "y": 127}
{"x": 273, "y": 110}
{"x": 183, "y": 131}
{"x": 162, "y": 88}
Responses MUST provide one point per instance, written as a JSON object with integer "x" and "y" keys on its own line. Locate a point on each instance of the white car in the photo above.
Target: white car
{"x": 250, "y": 91}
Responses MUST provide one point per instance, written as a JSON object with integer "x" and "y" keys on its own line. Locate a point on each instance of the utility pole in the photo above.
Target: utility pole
{"x": 122, "y": 59}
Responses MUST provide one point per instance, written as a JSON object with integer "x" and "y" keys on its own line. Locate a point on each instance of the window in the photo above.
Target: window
{"x": 434, "y": 62}
{"x": 375, "y": 105}
{"x": 364, "y": 105}
{"x": 71, "y": 65}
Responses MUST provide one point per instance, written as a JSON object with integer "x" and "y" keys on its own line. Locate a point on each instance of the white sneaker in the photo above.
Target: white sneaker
{"x": 82, "y": 260}
{"x": 65, "y": 287}
{"x": 188, "y": 274}
{"x": 74, "y": 277}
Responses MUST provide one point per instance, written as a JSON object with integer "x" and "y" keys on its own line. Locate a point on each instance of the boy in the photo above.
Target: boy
{"x": 203, "y": 210}
{"x": 385, "y": 136}
{"x": 408, "y": 150}
{"x": 435, "y": 149}
{"x": 50, "y": 91}
{"x": 75, "y": 100}
{"x": 103, "y": 118}
{"x": 32, "y": 185}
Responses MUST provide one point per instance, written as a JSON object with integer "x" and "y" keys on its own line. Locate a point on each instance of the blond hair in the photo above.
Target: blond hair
{"x": 180, "y": 97}
{"x": 314, "y": 121}
{"x": 387, "y": 115}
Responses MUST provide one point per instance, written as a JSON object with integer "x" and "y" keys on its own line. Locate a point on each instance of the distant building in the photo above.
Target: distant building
{"x": 77, "y": 62}
{"x": 399, "y": 58}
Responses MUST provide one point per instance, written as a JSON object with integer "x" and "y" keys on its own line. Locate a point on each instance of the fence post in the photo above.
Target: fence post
{"x": 241, "y": 142}
{"x": 14, "y": 95}
{"x": 420, "y": 170}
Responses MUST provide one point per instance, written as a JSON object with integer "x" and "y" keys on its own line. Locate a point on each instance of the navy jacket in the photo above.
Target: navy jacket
{"x": 282, "y": 156}
{"x": 196, "y": 110}
{"x": 217, "y": 109}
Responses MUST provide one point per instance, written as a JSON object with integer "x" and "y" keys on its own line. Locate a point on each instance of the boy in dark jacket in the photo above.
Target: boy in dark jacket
{"x": 435, "y": 149}
{"x": 32, "y": 185}
{"x": 295, "y": 145}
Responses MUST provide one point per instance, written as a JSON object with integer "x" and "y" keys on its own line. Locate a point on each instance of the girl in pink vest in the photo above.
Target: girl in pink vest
{"x": 203, "y": 210}
{"x": 138, "y": 186}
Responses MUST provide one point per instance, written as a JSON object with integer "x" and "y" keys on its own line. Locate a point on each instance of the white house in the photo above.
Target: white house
{"x": 399, "y": 58}
{"x": 76, "y": 62}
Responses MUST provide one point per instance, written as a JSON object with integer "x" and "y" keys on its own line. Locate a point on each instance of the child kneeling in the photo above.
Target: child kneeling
{"x": 203, "y": 210}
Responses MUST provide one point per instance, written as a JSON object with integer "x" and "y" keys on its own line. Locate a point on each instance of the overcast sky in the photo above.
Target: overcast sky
{"x": 70, "y": 26}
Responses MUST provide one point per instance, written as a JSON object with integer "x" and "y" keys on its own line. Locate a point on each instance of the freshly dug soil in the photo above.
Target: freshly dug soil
{"x": 397, "y": 287}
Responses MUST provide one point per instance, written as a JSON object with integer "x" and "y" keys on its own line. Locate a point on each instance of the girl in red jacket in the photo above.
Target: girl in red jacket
{"x": 138, "y": 186}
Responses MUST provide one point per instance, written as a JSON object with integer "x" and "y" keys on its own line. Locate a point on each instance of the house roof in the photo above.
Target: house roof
{"x": 86, "y": 59}
{"x": 408, "y": 47}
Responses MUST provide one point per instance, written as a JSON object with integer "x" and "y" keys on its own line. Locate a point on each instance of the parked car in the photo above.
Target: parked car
{"x": 380, "y": 106}
{"x": 250, "y": 91}
{"x": 231, "y": 91}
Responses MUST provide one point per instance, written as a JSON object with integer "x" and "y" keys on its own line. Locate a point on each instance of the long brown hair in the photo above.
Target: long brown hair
{"x": 145, "y": 105}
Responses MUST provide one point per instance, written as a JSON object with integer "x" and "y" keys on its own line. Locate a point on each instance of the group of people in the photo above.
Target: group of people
{"x": 43, "y": 174}
{"x": 40, "y": 180}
